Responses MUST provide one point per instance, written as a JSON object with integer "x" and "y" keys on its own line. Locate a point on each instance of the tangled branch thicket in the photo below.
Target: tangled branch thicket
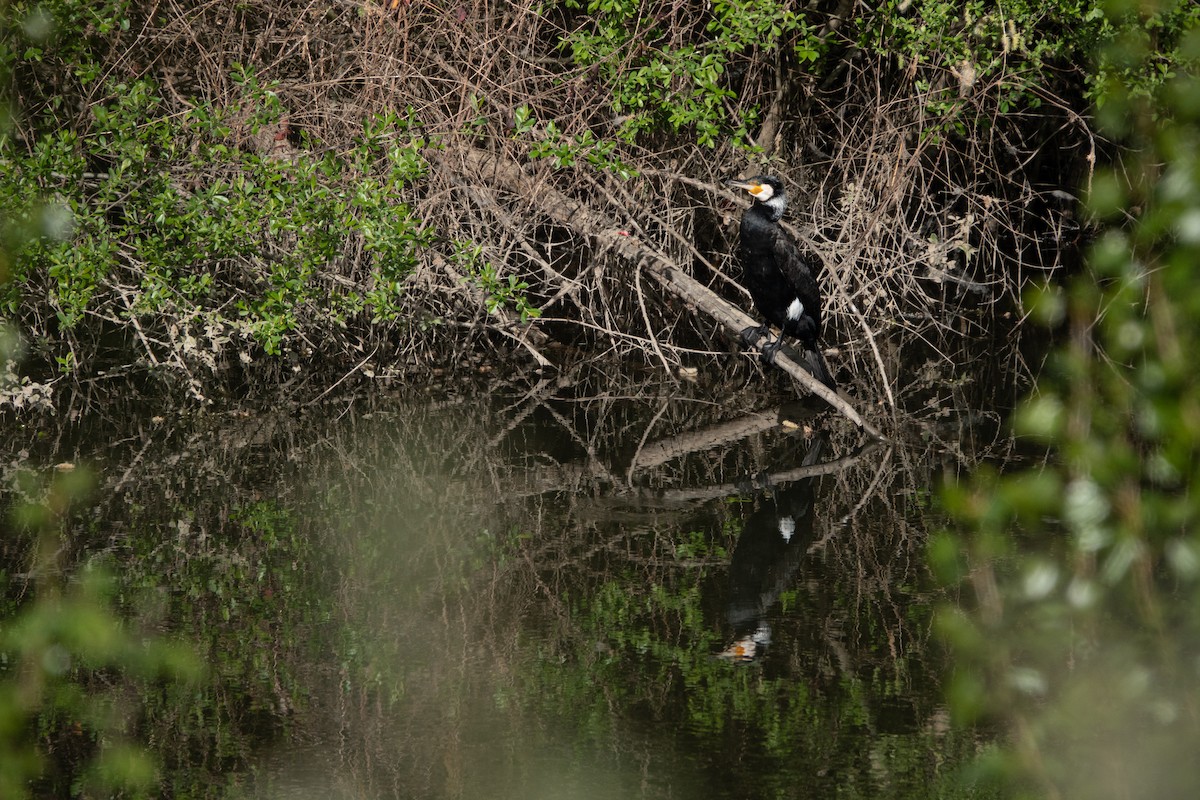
{"x": 924, "y": 202}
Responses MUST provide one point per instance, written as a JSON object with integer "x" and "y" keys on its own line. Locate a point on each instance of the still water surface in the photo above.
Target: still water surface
{"x": 548, "y": 591}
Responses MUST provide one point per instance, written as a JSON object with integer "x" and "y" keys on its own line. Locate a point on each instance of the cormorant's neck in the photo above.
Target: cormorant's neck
{"x": 773, "y": 209}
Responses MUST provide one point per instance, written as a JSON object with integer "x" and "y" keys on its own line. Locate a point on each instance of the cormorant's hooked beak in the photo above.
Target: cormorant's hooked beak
{"x": 752, "y": 187}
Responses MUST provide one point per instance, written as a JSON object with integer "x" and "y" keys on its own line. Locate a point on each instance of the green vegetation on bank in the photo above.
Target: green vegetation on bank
{"x": 681, "y": 81}
{"x": 678, "y": 68}
{"x": 162, "y": 222}
{"x": 1022, "y": 54}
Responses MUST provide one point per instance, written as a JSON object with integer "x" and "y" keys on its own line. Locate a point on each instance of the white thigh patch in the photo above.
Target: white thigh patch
{"x": 795, "y": 309}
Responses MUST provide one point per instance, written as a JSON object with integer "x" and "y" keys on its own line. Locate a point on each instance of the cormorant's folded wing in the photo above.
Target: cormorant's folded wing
{"x": 799, "y": 274}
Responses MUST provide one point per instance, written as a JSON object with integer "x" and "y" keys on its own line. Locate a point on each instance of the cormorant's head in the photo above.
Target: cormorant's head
{"x": 765, "y": 189}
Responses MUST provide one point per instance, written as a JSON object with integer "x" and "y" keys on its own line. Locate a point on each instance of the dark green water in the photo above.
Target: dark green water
{"x": 561, "y": 590}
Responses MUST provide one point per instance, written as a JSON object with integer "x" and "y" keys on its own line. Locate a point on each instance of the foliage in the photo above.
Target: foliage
{"x": 1142, "y": 47}
{"x": 668, "y": 66}
{"x": 677, "y": 74}
{"x": 199, "y": 234}
{"x": 1017, "y": 52}
{"x": 499, "y": 293}
{"x": 1009, "y": 51}
{"x": 36, "y": 37}
{"x": 1087, "y": 632}
{"x": 214, "y": 214}
{"x": 202, "y": 241}
{"x": 548, "y": 142}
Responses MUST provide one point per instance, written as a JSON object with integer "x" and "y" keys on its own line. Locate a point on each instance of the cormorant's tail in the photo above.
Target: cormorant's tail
{"x": 815, "y": 362}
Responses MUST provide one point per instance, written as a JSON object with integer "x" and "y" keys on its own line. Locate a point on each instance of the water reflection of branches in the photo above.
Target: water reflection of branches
{"x": 442, "y": 533}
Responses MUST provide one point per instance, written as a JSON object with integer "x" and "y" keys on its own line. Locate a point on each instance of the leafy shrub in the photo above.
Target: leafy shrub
{"x": 1021, "y": 53}
{"x": 668, "y": 65}
{"x": 175, "y": 228}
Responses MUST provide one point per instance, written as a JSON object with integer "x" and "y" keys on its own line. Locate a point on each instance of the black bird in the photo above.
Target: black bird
{"x": 780, "y": 281}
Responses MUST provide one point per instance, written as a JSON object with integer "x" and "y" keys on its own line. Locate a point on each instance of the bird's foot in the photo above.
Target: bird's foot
{"x": 770, "y": 350}
{"x": 750, "y": 336}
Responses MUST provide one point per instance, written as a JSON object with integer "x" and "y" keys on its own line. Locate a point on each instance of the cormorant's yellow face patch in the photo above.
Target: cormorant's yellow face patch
{"x": 760, "y": 190}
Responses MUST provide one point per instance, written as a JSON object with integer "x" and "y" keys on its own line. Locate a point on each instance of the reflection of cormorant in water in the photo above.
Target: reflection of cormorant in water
{"x": 774, "y": 540}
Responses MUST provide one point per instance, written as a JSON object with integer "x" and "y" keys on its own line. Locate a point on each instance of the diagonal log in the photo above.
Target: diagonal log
{"x": 607, "y": 234}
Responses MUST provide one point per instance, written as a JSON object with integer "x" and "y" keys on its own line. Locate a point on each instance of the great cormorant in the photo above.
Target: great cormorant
{"x": 780, "y": 282}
